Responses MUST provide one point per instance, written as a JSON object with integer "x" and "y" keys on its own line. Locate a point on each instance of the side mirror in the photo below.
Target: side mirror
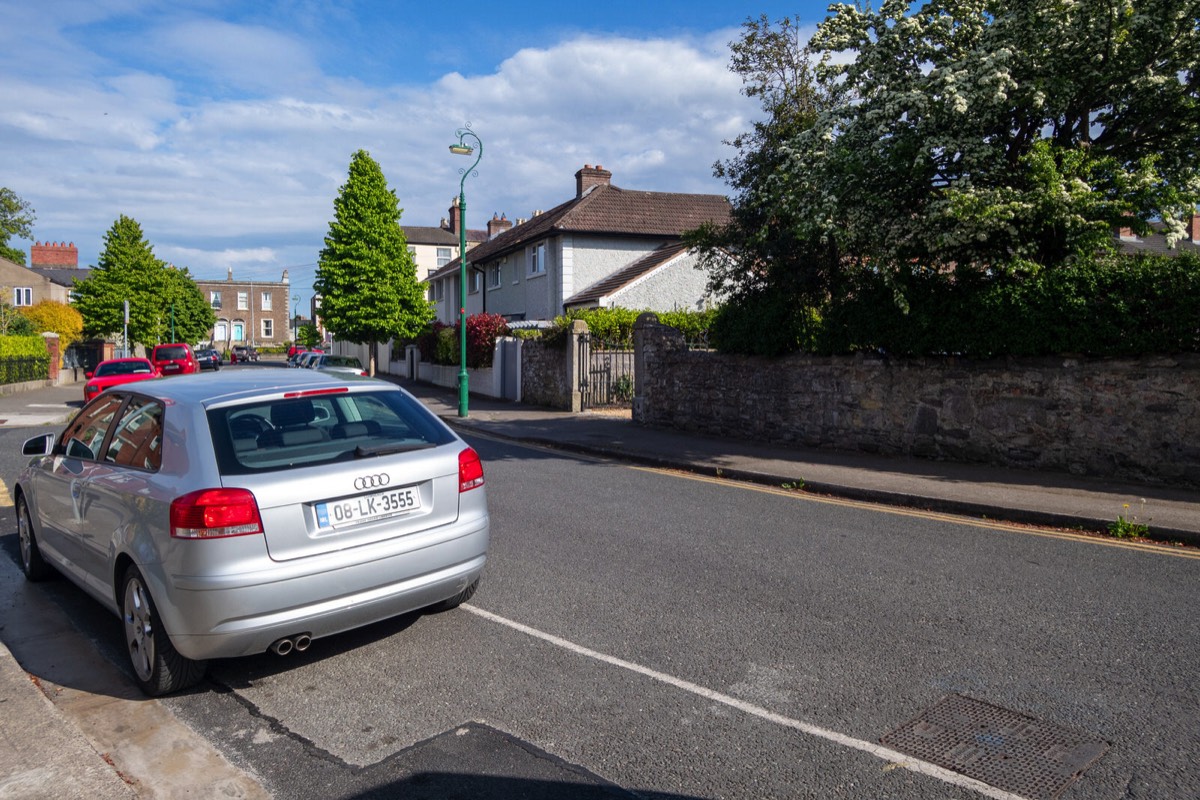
{"x": 88, "y": 375}
{"x": 39, "y": 445}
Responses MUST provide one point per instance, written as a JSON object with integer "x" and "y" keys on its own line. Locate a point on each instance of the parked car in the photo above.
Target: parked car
{"x": 243, "y": 353}
{"x": 117, "y": 371}
{"x": 208, "y": 358}
{"x": 296, "y": 357}
{"x": 304, "y": 360}
{"x": 227, "y": 515}
{"x": 174, "y": 359}
{"x": 327, "y": 362}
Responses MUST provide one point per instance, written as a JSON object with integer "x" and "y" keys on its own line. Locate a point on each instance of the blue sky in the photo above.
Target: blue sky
{"x": 226, "y": 128}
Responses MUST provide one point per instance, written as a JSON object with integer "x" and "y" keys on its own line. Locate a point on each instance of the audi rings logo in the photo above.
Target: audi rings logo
{"x": 372, "y": 481}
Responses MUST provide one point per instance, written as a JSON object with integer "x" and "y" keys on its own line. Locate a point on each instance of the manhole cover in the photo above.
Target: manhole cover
{"x": 1002, "y": 748}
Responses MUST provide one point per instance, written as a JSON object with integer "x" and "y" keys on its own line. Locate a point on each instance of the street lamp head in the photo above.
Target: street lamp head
{"x": 462, "y": 149}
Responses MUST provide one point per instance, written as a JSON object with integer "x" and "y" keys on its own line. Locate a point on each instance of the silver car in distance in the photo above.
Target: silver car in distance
{"x": 228, "y": 514}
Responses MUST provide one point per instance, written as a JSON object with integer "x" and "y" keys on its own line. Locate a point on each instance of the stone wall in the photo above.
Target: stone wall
{"x": 1131, "y": 419}
{"x": 544, "y": 374}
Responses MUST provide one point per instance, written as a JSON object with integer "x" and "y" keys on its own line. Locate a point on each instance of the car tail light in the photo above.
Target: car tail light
{"x": 214, "y": 514}
{"x": 470, "y": 470}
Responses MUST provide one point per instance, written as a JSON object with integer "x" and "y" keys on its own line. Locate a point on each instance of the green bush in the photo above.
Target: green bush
{"x": 23, "y": 358}
{"x": 615, "y": 325}
{"x": 446, "y": 349}
{"x": 22, "y": 346}
{"x": 764, "y": 324}
{"x": 1110, "y": 305}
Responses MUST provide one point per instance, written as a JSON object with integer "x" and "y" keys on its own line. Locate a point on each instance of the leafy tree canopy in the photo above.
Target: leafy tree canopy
{"x": 980, "y": 135}
{"x": 998, "y": 132}
{"x": 365, "y": 275}
{"x": 308, "y": 335}
{"x": 759, "y": 247}
{"x": 16, "y": 219}
{"x": 129, "y": 270}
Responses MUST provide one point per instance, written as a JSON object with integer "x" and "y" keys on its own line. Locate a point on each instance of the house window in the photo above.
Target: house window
{"x": 473, "y": 285}
{"x": 243, "y": 301}
{"x": 494, "y": 276}
{"x": 214, "y": 299}
{"x": 266, "y": 301}
{"x": 443, "y": 256}
{"x": 439, "y": 290}
{"x": 537, "y": 259}
{"x": 23, "y": 296}
{"x": 268, "y": 328}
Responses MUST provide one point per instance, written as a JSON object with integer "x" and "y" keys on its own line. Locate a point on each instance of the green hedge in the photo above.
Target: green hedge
{"x": 23, "y": 358}
{"x": 1110, "y": 306}
{"x": 615, "y": 325}
{"x": 22, "y": 346}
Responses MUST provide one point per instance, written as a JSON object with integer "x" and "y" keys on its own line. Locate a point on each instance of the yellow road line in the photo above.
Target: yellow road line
{"x": 6, "y": 500}
{"x": 1156, "y": 549}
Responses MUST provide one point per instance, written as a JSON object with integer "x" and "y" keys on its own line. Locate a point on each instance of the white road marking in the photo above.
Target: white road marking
{"x": 894, "y": 757}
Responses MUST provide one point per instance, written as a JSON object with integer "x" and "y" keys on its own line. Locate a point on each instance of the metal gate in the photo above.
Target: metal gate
{"x": 606, "y": 373}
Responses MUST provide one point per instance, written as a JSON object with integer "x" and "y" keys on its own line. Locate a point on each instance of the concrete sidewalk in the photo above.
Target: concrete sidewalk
{"x": 44, "y": 755}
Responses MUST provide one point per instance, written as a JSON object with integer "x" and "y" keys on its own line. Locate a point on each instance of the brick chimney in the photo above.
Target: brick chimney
{"x": 591, "y": 176}
{"x": 455, "y": 217}
{"x": 1193, "y": 228}
{"x": 49, "y": 255}
{"x": 498, "y": 225}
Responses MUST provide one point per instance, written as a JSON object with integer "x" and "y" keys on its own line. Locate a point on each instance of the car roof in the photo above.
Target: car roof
{"x": 230, "y": 386}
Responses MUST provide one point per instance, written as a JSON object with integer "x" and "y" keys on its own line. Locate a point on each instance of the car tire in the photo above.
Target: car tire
{"x": 32, "y": 563}
{"x": 158, "y": 667}
{"x": 452, "y": 603}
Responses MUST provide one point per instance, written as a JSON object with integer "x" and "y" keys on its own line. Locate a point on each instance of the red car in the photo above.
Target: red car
{"x": 175, "y": 359}
{"x": 116, "y": 371}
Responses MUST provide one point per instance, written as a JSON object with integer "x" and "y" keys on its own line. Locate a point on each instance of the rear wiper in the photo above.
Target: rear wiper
{"x": 389, "y": 449}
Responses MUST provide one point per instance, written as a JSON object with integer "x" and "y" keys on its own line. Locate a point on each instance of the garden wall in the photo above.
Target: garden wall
{"x": 1132, "y": 419}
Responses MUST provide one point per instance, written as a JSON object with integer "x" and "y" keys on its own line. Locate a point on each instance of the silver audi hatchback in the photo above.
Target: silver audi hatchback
{"x": 230, "y": 514}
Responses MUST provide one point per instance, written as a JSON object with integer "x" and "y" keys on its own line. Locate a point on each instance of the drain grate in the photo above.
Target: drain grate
{"x": 1002, "y": 748}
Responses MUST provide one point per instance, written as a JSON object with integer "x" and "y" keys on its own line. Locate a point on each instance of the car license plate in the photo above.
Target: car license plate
{"x": 368, "y": 507}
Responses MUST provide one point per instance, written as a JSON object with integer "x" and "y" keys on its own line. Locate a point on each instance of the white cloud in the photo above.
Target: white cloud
{"x": 248, "y": 180}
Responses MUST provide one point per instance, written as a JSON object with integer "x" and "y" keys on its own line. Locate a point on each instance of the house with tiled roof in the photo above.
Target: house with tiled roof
{"x": 1155, "y": 241}
{"x": 435, "y": 247}
{"x": 605, "y": 247}
{"x": 53, "y": 270}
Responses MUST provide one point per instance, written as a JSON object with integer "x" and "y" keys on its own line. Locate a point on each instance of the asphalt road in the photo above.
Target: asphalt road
{"x": 647, "y": 634}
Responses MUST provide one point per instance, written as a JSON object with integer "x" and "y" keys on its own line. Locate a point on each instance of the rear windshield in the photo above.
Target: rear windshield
{"x": 122, "y": 368}
{"x": 169, "y": 353}
{"x": 341, "y": 361}
{"x": 286, "y": 433}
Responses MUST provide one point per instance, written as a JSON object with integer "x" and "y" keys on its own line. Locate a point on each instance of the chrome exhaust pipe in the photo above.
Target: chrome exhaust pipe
{"x": 282, "y": 647}
{"x": 302, "y": 642}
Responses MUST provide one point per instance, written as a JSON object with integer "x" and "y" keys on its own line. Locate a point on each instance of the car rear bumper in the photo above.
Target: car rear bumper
{"x": 246, "y": 617}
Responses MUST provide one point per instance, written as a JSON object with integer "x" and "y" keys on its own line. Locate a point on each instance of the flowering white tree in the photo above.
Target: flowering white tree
{"x": 994, "y": 133}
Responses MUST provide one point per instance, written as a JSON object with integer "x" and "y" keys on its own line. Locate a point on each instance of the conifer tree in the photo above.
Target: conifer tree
{"x": 365, "y": 275}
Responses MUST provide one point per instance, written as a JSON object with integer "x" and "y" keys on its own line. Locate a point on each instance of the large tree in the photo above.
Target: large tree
{"x": 365, "y": 275}
{"x": 129, "y": 270}
{"x": 16, "y": 219}
{"x": 995, "y": 133}
{"x": 757, "y": 261}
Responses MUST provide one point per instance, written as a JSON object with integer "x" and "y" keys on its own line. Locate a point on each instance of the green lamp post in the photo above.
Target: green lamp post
{"x": 463, "y": 149}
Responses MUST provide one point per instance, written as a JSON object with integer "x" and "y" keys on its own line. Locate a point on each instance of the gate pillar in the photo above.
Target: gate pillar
{"x": 577, "y": 363}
